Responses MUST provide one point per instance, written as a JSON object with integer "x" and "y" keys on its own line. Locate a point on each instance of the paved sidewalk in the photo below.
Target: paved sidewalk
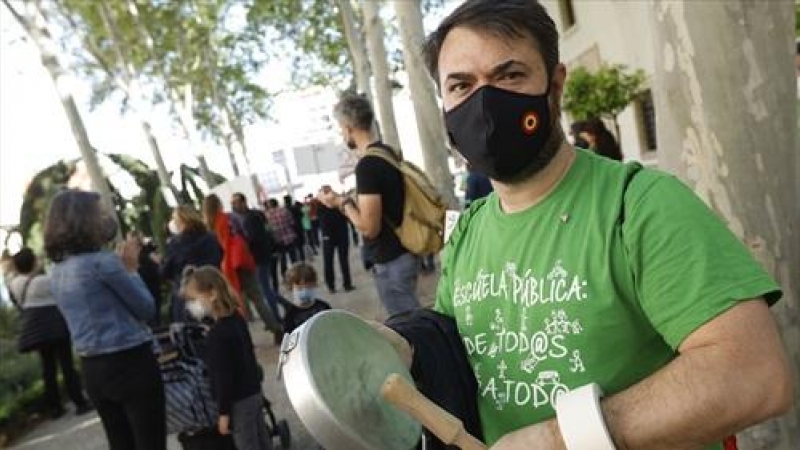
{"x": 85, "y": 432}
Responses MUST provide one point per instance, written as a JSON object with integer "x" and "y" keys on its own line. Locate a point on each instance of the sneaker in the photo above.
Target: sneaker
{"x": 349, "y": 288}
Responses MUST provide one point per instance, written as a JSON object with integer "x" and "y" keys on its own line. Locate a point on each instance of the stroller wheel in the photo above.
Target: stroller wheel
{"x": 284, "y": 435}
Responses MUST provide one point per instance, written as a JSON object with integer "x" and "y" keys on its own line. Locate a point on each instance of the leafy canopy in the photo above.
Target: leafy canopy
{"x": 604, "y": 93}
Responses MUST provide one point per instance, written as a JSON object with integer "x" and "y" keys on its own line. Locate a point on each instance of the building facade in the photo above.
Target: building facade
{"x": 600, "y": 32}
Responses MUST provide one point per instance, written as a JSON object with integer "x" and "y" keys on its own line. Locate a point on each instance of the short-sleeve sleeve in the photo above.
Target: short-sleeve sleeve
{"x": 687, "y": 265}
{"x": 369, "y": 173}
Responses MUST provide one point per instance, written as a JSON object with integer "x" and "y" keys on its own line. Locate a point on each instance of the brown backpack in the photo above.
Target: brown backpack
{"x": 422, "y": 228}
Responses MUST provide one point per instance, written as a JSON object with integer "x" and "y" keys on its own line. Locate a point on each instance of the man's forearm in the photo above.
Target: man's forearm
{"x": 732, "y": 373}
{"x": 689, "y": 404}
{"x": 354, "y": 216}
{"x": 702, "y": 396}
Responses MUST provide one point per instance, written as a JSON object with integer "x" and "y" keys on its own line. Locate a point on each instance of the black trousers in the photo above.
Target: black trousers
{"x": 54, "y": 354}
{"x": 314, "y": 232}
{"x": 127, "y": 391}
{"x": 293, "y": 252}
{"x": 273, "y": 271}
{"x": 341, "y": 246}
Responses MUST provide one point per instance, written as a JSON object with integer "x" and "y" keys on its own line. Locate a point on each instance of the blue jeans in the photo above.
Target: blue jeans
{"x": 264, "y": 274}
{"x": 396, "y": 281}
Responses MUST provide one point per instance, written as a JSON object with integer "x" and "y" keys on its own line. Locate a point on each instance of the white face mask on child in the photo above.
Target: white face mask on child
{"x": 304, "y": 296}
{"x": 196, "y": 309}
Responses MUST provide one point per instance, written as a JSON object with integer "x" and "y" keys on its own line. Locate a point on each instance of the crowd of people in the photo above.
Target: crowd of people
{"x": 217, "y": 266}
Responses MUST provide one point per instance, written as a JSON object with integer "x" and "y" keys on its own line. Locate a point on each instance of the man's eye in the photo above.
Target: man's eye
{"x": 512, "y": 75}
{"x": 457, "y": 87}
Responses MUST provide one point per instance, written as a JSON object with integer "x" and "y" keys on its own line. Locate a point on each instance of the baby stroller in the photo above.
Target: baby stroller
{"x": 191, "y": 411}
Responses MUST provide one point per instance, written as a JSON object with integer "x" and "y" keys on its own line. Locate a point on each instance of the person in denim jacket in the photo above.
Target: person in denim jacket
{"x": 106, "y": 306}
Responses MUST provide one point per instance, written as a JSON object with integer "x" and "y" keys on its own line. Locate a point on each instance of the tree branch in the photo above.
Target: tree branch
{"x": 92, "y": 47}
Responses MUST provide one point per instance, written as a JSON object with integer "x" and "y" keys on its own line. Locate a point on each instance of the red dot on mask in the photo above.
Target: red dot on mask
{"x": 530, "y": 122}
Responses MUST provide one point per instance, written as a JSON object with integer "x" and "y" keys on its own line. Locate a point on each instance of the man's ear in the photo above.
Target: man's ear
{"x": 558, "y": 80}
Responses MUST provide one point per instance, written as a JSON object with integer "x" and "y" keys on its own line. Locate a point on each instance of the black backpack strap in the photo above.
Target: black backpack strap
{"x": 628, "y": 180}
{"x": 19, "y": 302}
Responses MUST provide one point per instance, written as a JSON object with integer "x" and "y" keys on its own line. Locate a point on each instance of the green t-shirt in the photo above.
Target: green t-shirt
{"x": 306, "y": 217}
{"x": 599, "y": 282}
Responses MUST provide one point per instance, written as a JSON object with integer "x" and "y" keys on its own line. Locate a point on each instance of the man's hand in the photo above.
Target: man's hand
{"x": 224, "y": 425}
{"x": 542, "y": 436}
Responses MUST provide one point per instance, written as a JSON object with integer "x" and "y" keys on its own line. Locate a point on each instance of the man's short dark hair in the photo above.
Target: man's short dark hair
{"x": 272, "y": 203}
{"x": 24, "y": 261}
{"x": 241, "y": 197}
{"x": 354, "y": 110}
{"x": 510, "y": 19}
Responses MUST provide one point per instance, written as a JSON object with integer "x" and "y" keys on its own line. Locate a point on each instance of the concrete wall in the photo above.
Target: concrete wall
{"x": 612, "y": 32}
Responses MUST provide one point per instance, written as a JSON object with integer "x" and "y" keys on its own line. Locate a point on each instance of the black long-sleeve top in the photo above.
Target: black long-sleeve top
{"x": 296, "y": 316}
{"x": 232, "y": 367}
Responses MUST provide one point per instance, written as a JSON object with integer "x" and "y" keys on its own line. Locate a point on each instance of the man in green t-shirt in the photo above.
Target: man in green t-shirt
{"x": 581, "y": 272}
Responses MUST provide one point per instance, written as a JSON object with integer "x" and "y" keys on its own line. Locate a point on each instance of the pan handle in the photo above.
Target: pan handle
{"x": 403, "y": 395}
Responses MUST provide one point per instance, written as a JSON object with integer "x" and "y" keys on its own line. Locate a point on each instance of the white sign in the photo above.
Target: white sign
{"x": 450, "y": 220}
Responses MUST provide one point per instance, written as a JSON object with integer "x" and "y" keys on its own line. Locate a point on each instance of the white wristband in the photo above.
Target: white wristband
{"x": 581, "y": 419}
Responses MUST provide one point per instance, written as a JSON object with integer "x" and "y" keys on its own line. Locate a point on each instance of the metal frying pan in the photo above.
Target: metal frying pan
{"x": 334, "y": 367}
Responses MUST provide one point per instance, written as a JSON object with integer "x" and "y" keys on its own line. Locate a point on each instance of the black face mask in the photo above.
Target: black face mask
{"x": 502, "y": 134}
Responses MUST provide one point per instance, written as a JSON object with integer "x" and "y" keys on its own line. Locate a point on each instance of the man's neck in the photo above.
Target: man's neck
{"x": 363, "y": 141}
{"x": 521, "y": 196}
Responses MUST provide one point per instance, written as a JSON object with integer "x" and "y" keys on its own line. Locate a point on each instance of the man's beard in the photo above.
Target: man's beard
{"x": 544, "y": 157}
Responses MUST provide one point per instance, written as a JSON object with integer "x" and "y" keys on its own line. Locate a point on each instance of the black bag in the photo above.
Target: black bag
{"x": 39, "y": 325}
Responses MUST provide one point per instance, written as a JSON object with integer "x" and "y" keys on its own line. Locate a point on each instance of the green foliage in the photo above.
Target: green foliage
{"x": 168, "y": 45}
{"x": 310, "y": 33}
{"x": 19, "y": 373}
{"x": 20, "y": 400}
{"x": 604, "y": 93}
{"x": 146, "y": 211}
{"x": 36, "y": 200}
{"x": 797, "y": 19}
{"x": 9, "y": 322}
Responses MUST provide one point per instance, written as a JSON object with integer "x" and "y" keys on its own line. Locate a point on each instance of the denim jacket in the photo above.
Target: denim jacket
{"x": 104, "y": 305}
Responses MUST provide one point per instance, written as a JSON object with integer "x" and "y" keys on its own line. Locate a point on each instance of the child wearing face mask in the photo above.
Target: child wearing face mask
{"x": 302, "y": 279}
{"x": 232, "y": 368}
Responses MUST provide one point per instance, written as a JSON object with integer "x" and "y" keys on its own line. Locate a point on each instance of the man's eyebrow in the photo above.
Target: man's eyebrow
{"x": 496, "y": 70}
{"x": 505, "y": 66}
{"x": 459, "y": 76}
